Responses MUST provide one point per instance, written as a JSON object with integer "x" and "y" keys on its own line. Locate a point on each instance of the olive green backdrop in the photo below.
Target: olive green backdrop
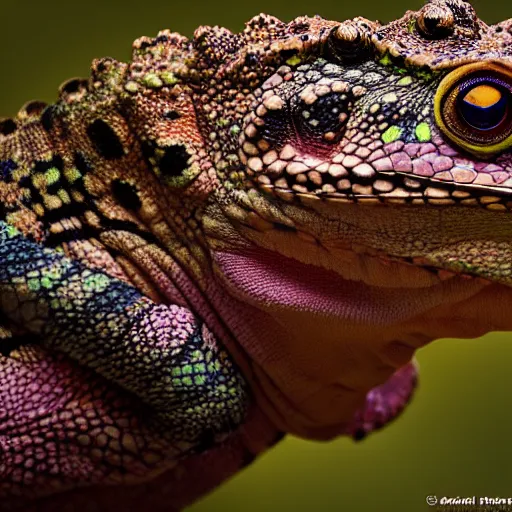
{"x": 452, "y": 440}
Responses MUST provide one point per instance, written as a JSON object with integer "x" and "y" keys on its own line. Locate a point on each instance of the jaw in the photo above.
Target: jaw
{"x": 387, "y": 300}
{"x": 325, "y": 318}
{"x": 383, "y": 244}
{"x": 370, "y": 265}
{"x": 318, "y": 343}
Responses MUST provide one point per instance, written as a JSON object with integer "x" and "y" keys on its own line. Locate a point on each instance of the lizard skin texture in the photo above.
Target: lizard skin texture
{"x": 300, "y": 206}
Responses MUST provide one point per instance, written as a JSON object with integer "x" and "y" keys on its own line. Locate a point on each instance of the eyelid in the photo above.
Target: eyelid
{"x": 446, "y": 86}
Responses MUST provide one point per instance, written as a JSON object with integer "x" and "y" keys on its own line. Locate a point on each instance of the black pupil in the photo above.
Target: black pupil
{"x": 483, "y": 105}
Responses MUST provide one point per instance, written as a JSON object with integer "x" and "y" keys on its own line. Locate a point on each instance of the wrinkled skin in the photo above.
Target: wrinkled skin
{"x": 303, "y": 198}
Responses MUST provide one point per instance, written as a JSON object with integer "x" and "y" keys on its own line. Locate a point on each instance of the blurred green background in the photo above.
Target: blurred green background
{"x": 454, "y": 439}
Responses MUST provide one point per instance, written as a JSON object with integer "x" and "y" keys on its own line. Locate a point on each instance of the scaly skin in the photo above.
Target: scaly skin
{"x": 239, "y": 236}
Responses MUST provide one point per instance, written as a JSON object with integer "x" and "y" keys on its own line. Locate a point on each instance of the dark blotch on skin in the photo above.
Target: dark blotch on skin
{"x": 35, "y": 107}
{"x": 101, "y": 67}
{"x": 47, "y": 118}
{"x": 44, "y": 165}
{"x": 81, "y": 163}
{"x": 172, "y": 115}
{"x": 7, "y": 126}
{"x": 251, "y": 59}
{"x": 174, "y": 161}
{"x": 287, "y": 54}
{"x": 8, "y": 345}
{"x": 325, "y": 111}
{"x": 6, "y": 168}
{"x": 162, "y": 39}
{"x": 72, "y": 86}
{"x": 105, "y": 140}
{"x": 126, "y": 194}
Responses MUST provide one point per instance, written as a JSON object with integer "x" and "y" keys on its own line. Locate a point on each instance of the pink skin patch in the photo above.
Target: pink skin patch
{"x": 384, "y": 403}
{"x": 62, "y": 426}
{"x": 268, "y": 278}
{"x": 330, "y": 355}
{"x": 71, "y": 441}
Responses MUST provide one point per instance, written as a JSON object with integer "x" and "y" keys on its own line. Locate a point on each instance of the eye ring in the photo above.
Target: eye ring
{"x": 468, "y": 104}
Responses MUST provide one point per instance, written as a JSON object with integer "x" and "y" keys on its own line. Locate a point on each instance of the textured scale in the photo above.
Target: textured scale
{"x": 239, "y": 236}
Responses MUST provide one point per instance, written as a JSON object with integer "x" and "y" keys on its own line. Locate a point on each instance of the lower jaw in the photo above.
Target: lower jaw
{"x": 268, "y": 280}
{"x": 316, "y": 343}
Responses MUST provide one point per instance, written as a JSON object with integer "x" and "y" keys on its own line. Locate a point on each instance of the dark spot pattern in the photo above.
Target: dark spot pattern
{"x": 8, "y": 345}
{"x": 81, "y": 163}
{"x": 35, "y": 107}
{"x": 105, "y": 140}
{"x": 174, "y": 161}
{"x": 41, "y": 166}
{"x": 251, "y": 59}
{"x": 71, "y": 86}
{"x": 101, "y": 66}
{"x": 7, "y": 126}
{"x": 323, "y": 115}
{"x": 48, "y": 117}
{"x": 172, "y": 115}
{"x": 288, "y": 53}
{"x": 126, "y": 194}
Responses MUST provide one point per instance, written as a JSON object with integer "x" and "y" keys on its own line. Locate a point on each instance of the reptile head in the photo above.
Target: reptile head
{"x": 360, "y": 186}
{"x": 319, "y": 140}
{"x": 394, "y": 141}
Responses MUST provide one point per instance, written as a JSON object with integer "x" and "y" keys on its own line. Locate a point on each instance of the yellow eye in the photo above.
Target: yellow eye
{"x": 483, "y": 107}
{"x": 473, "y": 107}
{"x": 483, "y": 96}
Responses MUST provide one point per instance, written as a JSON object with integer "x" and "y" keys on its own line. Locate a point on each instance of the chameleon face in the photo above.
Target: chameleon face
{"x": 371, "y": 195}
{"x": 326, "y": 136}
{"x": 274, "y": 221}
{"x": 335, "y": 131}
